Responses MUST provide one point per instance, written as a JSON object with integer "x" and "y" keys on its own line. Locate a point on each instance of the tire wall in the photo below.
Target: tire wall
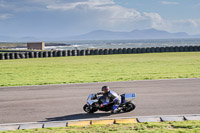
{"x": 87, "y": 52}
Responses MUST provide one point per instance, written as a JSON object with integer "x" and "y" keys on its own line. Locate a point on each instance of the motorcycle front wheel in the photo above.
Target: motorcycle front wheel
{"x": 87, "y": 109}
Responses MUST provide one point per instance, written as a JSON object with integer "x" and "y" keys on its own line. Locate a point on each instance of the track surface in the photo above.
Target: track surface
{"x": 65, "y": 102}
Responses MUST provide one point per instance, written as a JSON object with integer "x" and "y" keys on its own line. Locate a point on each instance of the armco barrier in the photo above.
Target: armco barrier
{"x": 138, "y": 119}
{"x": 60, "y": 53}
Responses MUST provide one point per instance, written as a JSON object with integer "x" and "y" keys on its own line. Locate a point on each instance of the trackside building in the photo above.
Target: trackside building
{"x": 35, "y": 45}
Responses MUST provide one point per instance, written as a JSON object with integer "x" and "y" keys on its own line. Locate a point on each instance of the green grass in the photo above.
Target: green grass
{"x": 152, "y": 127}
{"x": 86, "y": 69}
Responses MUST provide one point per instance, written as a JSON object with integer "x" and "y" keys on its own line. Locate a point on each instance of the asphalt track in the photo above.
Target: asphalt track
{"x": 65, "y": 102}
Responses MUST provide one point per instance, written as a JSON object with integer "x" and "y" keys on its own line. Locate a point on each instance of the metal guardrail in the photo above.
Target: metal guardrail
{"x": 136, "y": 119}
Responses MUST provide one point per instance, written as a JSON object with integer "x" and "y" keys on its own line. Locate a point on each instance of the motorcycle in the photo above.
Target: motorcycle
{"x": 94, "y": 103}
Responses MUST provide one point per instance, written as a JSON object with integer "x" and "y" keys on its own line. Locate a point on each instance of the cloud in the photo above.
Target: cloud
{"x": 5, "y": 16}
{"x": 106, "y": 12}
{"x": 72, "y": 5}
{"x": 188, "y": 22}
{"x": 81, "y": 16}
{"x": 156, "y": 20}
{"x": 169, "y": 3}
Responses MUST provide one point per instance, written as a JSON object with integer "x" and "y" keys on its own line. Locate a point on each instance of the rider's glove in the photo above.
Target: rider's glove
{"x": 100, "y": 105}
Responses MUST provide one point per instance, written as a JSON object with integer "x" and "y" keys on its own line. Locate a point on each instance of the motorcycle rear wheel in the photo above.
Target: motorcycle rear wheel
{"x": 129, "y": 107}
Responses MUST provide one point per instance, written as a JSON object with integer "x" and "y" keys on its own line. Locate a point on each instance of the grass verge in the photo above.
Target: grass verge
{"x": 103, "y": 68}
{"x": 151, "y": 127}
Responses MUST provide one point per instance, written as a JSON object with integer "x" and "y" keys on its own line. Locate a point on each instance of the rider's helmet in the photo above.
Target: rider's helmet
{"x": 105, "y": 89}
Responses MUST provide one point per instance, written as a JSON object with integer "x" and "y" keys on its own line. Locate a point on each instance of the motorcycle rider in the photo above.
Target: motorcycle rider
{"x": 112, "y": 96}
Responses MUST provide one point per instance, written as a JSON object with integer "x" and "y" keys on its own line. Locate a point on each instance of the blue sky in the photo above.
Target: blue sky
{"x": 59, "y": 18}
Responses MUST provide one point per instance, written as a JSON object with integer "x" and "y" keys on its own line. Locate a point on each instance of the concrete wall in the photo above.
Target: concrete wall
{"x": 61, "y": 53}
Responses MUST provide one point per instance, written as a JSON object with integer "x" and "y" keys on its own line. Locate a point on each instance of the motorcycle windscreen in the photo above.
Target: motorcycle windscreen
{"x": 91, "y": 96}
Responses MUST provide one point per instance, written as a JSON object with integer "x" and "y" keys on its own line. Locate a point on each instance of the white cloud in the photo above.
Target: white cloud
{"x": 5, "y": 16}
{"x": 191, "y": 26}
{"x": 87, "y": 15}
{"x": 72, "y": 5}
{"x": 188, "y": 22}
{"x": 156, "y": 20}
{"x": 169, "y": 3}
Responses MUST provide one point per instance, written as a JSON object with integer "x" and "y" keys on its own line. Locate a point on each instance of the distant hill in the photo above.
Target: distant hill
{"x": 135, "y": 34}
{"x": 108, "y": 35}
